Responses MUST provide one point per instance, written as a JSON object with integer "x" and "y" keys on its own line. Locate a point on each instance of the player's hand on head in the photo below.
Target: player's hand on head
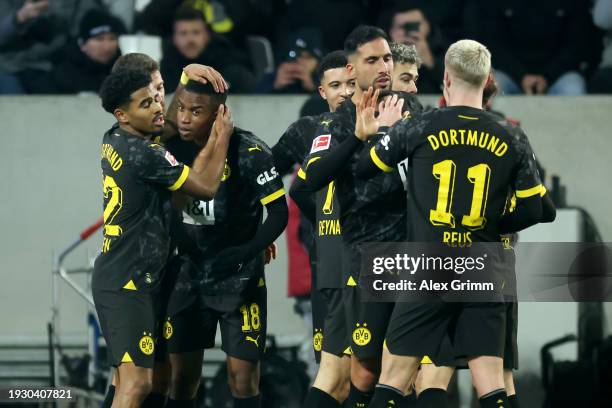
{"x": 223, "y": 126}
{"x": 205, "y": 74}
{"x": 390, "y": 110}
{"x": 366, "y": 124}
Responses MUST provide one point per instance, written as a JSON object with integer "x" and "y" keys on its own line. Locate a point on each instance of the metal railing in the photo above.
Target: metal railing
{"x": 61, "y": 273}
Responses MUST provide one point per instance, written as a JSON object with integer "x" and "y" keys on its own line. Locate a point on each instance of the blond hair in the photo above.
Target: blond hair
{"x": 469, "y": 61}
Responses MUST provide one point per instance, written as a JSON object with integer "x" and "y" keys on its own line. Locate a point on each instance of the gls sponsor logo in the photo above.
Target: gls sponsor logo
{"x": 266, "y": 176}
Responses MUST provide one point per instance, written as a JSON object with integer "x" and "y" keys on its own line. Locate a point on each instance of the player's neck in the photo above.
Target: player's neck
{"x": 129, "y": 129}
{"x": 465, "y": 98}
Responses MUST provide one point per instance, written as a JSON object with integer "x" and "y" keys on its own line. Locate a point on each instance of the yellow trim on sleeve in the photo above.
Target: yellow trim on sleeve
{"x": 379, "y": 163}
{"x": 312, "y": 160}
{"x": 184, "y": 79}
{"x": 181, "y": 180}
{"x": 277, "y": 194}
{"x": 301, "y": 174}
{"x": 543, "y": 191}
{"x": 529, "y": 192}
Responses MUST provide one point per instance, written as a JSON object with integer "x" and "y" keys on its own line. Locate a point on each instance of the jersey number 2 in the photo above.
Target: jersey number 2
{"x": 479, "y": 175}
{"x": 114, "y": 195}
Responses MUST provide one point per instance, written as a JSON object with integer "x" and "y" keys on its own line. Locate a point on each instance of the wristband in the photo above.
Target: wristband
{"x": 184, "y": 79}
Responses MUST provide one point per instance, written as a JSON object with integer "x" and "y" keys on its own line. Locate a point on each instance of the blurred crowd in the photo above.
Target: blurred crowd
{"x": 561, "y": 47}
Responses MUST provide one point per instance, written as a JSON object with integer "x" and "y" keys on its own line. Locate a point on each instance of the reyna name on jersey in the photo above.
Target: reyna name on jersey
{"x": 453, "y": 137}
{"x": 320, "y": 143}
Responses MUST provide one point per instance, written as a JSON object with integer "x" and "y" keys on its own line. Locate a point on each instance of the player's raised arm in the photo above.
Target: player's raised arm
{"x": 267, "y": 184}
{"x": 303, "y": 196}
{"x": 528, "y": 188}
{"x": 323, "y": 167}
{"x": 549, "y": 212}
{"x": 529, "y": 211}
{"x": 204, "y": 178}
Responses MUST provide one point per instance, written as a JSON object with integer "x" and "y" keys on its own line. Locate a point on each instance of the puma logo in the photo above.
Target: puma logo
{"x": 254, "y": 340}
{"x": 256, "y": 148}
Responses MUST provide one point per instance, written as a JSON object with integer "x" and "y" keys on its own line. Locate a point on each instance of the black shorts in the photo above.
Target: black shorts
{"x": 130, "y": 323}
{"x": 329, "y": 323}
{"x": 511, "y": 347}
{"x": 475, "y": 329}
{"x": 446, "y": 356}
{"x": 366, "y": 321}
{"x": 191, "y": 321}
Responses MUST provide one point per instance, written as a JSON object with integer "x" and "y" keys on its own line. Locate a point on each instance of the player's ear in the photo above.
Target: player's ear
{"x": 350, "y": 67}
{"x": 322, "y": 92}
{"x": 447, "y": 81}
{"x": 121, "y": 116}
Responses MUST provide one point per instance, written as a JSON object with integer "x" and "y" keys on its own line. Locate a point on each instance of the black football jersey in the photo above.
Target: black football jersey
{"x": 249, "y": 182}
{"x": 328, "y": 238}
{"x": 138, "y": 177}
{"x": 371, "y": 210}
{"x": 294, "y": 144}
{"x": 464, "y": 162}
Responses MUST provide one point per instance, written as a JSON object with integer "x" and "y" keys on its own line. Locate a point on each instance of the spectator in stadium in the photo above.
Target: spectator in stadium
{"x": 193, "y": 42}
{"x": 31, "y": 34}
{"x": 230, "y": 19}
{"x": 601, "y": 81}
{"x": 407, "y": 24}
{"x": 88, "y": 59}
{"x": 296, "y": 73}
{"x": 530, "y": 59}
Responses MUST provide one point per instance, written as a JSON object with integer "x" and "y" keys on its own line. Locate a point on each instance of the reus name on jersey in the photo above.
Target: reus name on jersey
{"x": 464, "y": 163}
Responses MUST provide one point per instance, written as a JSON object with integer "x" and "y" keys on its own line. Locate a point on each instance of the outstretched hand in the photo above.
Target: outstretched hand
{"x": 390, "y": 110}
{"x": 366, "y": 123}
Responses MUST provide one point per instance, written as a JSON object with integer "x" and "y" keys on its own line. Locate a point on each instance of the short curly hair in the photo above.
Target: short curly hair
{"x": 135, "y": 60}
{"x": 117, "y": 88}
{"x": 207, "y": 89}
{"x": 405, "y": 54}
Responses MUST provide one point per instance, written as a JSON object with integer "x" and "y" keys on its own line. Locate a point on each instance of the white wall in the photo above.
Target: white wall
{"x": 51, "y": 185}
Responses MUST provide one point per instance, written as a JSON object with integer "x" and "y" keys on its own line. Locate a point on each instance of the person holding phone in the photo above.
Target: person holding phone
{"x": 410, "y": 26}
{"x": 297, "y": 70}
